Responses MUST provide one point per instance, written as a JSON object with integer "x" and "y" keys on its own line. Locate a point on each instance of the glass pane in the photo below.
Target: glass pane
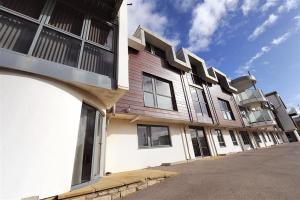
{"x": 164, "y": 102}
{"x": 204, "y": 109}
{"x": 101, "y": 33}
{"x": 147, "y": 84}
{"x": 57, "y": 47}
{"x": 31, "y": 8}
{"x": 143, "y": 138}
{"x": 66, "y": 18}
{"x": 149, "y": 99}
{"x": 160, "y": 136}
{"x": 200, "y": 95}
{"x": 15, "y": 33}
{"x": 197, "y": 108}
{"x": 84, "y": 148}
{"x": 194, "y": 94}
{"x": 163, "y": 88}
{"x": 229, "y": 116}
{"x": 95, "y": 59}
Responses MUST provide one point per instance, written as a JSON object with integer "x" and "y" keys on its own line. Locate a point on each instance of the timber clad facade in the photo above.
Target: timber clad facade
{"x": 145, "y": 63}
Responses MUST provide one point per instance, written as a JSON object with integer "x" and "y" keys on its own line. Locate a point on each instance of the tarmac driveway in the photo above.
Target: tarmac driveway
{"x": 272, "y": 173}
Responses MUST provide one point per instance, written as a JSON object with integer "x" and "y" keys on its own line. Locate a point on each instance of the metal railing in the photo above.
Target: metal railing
{"x": 251, "y": 94}
{"x": 259, "y": 116}
{"x": 82, "y": 41}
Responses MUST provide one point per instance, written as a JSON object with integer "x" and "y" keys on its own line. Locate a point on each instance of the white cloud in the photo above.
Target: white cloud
{"x": 276, "y": 41}
{"x": 281, "y": 39}
{"x": 262, "y": 28}
{"x": 268, "y": 4}
{"x": 143, "y": 12}
{"x": 288, "y": 5}
{"x": 248, "y": 6}
{"x": 183, "y": 5}
{"x": 205, "y": 21}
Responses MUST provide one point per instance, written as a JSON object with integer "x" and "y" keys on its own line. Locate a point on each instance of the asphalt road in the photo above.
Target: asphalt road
{"x": 272, "y": 173}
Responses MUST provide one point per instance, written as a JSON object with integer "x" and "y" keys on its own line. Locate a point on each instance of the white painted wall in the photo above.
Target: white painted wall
{"x": 123, "y": 154}
{"x": 123, "y": 77}
{"x": 230, "y": 148}
{"x": 39, "y": 121}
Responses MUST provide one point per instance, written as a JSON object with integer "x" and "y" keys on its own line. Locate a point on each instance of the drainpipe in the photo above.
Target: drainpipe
{"x": 186, "y": 96}
{"x": 212, "y": 104}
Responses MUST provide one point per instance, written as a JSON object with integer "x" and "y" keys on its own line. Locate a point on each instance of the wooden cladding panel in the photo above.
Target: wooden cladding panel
{"x": 144, "y": 62}
{"x": 217, "y": 92}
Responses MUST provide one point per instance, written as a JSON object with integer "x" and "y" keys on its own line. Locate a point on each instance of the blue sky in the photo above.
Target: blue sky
{"x": 235, "y": 36}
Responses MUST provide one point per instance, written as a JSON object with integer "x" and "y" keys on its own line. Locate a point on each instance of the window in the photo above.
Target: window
{"x": 263, "y": 136}
{"x": 155, "y": 51}
{"x": 245, "y": 137}
{"x": 226, "y": 109}
{"x": 257, "y": 138}
{"x": 157, "y": 93}
{"x": 268, "y": 135}
{"x": 153, "y": 136}
{"x": 220, "y": 138}
{"x": 87, "y": 157}
{"x": 233, "y": 138}
{"x": 199, "y": 101}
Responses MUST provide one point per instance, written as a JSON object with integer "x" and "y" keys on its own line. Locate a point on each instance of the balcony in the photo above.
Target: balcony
{"x": 251, "y": 96}
{"x": 260, "y": 118}
{"x": 60, "y": 40}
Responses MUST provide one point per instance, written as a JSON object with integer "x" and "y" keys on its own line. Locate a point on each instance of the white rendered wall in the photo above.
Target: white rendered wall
{"x": 39, "y": 123}
{"x": 123, "y": 77}
{"x": 230, "y": 148}
{"x": 268, "y": 143}
{"x": 123, "y": 154}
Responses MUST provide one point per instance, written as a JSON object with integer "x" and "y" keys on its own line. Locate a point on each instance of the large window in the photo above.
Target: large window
{"x": 233, "y": 138}
{"x": 60, "y": 31}
{"x": 245, "y": 137}
{"x": 157, "y": 93}
{"x": 199, "y": 101}
{"x": 155, "y": 50}
{"x": 87, "y": 157}
{"x": 153, "y": 136}
{"x": 226, "y": 109}
{"x": 220, "y": 138}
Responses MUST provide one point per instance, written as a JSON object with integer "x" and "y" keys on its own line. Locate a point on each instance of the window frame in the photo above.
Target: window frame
{"x": 98, "y": 150}
{"x": 155, "y": 93}
{"x": 233, "y": 138}
{"x": 220, "y": 138}
{"x": 202, "y": 104}
{"x": 245, "y": 136}
{"x": 156, "y": 51}
{"x": 226, "y": 109}
{"x": 149, "y": 134}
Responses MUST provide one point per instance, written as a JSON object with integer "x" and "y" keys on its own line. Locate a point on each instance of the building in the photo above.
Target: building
{"x": 177, "y": 109}
{"x": 63, "y": 63}
{"x": 257, "y": 115}
{"x": 285, "y": 122}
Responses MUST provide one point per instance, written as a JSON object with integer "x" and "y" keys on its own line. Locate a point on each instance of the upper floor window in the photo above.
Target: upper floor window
{"x": 220, "y": 138}
{"x": 233, "y": 138}
{"x": 157, "y": 93}
{"x": 69, "y": 34}
{"x": 153, "y": 136}
{"x": 155, "y": 50}
{"x": 226, "y": 109}
{"x": 199, "y": 101}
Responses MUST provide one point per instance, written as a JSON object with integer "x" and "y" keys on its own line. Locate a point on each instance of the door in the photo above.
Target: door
{"x": 199, "y": 142}
{"x": 273, "y": 138}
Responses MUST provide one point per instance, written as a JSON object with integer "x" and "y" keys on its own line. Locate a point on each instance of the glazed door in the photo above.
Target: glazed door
{"x": 200, "y": 144}
{"x": 203, "y": 143}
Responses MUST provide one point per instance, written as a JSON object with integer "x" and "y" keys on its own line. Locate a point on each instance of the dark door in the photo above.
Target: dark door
{"x": 199, "y": 141}
{"x": 291, "y": 137}
{"x": 273, "y": 138}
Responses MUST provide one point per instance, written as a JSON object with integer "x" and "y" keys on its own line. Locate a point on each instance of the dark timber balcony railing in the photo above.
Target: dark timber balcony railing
{"x": 59, "y": 32}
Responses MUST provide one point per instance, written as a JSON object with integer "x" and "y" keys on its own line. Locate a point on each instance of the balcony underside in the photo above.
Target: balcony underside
{"x": 98, "y": 85}
{"x": 253, "y": 100}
